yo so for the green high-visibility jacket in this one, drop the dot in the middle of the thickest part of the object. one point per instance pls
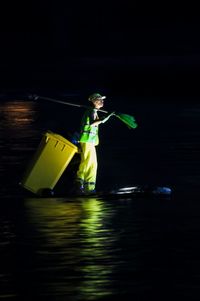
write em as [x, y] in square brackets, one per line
[89, 133]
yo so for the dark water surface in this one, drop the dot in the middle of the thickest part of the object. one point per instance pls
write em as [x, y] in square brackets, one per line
[98, 249]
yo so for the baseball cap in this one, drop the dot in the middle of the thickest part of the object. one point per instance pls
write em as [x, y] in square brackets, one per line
[95, 96]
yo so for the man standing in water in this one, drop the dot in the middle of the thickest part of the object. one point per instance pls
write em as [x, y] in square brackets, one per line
[86, 175]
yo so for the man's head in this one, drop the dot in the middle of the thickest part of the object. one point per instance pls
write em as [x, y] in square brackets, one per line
[97, 100]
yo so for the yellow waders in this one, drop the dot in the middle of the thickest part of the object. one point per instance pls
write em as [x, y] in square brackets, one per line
[88, 167]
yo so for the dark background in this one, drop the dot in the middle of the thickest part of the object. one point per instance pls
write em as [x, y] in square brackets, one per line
[129, 48]
[145, 58]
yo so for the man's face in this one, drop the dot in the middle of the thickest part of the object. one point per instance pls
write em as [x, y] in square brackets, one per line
[98, 103]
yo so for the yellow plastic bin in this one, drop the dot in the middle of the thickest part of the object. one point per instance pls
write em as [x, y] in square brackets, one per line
[49, 162]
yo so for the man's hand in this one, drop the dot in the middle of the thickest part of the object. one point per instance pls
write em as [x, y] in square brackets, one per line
[106, 119]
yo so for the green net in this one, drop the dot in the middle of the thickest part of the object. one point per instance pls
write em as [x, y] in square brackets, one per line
[128, 120]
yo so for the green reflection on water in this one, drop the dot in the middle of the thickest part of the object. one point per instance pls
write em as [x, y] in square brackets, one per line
[78, 237]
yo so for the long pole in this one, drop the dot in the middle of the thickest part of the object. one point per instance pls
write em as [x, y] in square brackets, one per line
[36, 97]
[127, 119]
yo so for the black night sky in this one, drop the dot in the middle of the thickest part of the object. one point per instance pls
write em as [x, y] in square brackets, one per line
[128, 48]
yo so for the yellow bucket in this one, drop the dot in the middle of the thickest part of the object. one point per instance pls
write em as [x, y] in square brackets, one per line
[49, 162]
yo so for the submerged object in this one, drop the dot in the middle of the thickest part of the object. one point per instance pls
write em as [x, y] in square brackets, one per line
[144, 191]
[141, 190]
[162, 190]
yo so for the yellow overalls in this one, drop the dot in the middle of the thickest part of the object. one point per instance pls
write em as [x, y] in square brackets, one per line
[87, 172]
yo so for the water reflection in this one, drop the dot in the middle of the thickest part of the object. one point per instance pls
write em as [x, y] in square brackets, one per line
[98, 239]
[17, 114]
[18, 137]
[73, 245]
[62, 249]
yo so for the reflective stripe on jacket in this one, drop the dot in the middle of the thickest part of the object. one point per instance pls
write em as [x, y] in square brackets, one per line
[89, 133]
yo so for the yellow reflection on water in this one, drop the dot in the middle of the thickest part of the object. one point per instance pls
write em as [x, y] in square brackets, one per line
[55, 220]
[79, 233]
[98, 239]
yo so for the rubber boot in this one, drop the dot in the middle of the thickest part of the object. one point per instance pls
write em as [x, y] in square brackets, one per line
[89, 188]
[78, 188]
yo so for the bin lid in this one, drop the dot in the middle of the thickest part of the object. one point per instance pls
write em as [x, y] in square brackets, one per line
[60, 138]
